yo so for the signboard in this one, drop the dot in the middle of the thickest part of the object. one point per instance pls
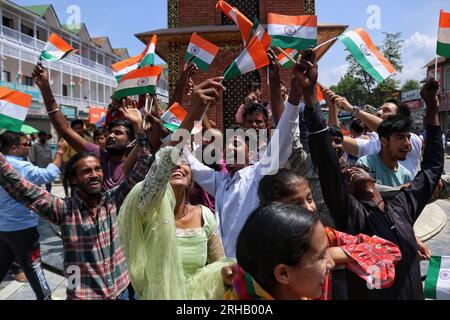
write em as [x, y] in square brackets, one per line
[34, 92]
[37, 109]
[83, 113]
[69, 112]
[411, 95]
[96, 114]
[413, 104]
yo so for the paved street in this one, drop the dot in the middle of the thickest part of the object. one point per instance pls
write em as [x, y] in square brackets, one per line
[52, 257]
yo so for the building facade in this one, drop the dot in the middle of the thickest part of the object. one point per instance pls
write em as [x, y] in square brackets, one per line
[79, 82]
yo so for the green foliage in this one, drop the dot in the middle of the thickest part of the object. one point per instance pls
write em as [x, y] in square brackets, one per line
[410, 85]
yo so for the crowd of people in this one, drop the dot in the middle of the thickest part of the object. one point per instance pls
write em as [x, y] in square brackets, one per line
[291, 207]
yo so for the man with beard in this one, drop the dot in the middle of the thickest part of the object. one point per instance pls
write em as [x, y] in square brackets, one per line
[119, 137]
[94, 262]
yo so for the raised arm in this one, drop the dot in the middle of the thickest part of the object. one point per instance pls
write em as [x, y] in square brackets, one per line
[276, 102]
[333, 119]
[29, 195]
[424, 184]
[189, 71]
[57, 118]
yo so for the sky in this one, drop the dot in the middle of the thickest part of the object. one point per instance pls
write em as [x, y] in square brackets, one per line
[417, 20]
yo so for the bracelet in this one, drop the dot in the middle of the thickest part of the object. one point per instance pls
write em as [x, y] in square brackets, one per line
[53, 111]
[320, 131]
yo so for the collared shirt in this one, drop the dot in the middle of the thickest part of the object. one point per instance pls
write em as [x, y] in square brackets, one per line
[372, 146]
[92, 248]
[13, 215]
[237, 196]
[395, 223]
[41, 154]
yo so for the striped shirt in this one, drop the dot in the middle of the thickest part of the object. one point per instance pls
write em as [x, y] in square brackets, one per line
[94, 263]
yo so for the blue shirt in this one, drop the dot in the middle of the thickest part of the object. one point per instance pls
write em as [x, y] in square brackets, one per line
[384, 175]
[13, 215]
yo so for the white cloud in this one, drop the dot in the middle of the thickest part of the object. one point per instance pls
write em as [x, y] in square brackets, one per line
[331, 76]
[418, 50]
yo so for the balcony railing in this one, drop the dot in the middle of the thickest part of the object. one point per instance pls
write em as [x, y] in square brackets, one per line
[39, 45]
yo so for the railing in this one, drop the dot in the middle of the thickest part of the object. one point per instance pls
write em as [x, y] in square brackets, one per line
[39, 45]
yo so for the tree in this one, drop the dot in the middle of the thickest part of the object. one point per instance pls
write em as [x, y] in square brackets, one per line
[392, 49]
[352, 88]
[410, 85]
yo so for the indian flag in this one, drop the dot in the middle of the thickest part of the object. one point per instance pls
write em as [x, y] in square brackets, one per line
[174, 117]
[14, 107]
[285, 61]
[296, 32]
[56, 49]
[148, 56]
[261, 33]
[125, 66]
[138, 82]
[443, 40]
[437, 284]
[366, 54]
[244, 24]
[253, 57]
[202, 50]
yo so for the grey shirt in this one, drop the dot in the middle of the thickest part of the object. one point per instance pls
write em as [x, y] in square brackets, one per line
[41, 154]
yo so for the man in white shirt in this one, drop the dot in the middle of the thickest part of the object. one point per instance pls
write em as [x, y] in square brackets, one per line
[236, 191]
[362, 147]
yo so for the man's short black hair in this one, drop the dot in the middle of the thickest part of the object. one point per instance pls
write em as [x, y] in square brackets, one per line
[357, 126]
[76, 122]
[124, 123]
[254, 86]
[9, 139]
[99, 132]
[42, 134]
[258, 108]
[394, 124]
[402, 108]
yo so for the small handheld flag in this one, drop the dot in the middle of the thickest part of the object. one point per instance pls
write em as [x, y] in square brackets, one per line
[148, 56]
[202, 50]
[244, 24]
[284, 61]
[366, 54]
[296, 32]
[252, 58]
[443, 40]
[174, 117]
[14, 107]
[437, 284]
[56, 49]
[138, 82]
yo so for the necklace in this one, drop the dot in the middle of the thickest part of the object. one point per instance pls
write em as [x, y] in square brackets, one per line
[186, 211]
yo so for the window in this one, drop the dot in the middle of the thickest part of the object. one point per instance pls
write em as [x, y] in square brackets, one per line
[6, 76]
[250, 8]
[8, 22]
[65, 90]
[28, 81]
[27, 30]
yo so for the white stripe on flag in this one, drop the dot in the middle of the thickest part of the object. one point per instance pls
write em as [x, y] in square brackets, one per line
[200, 53]
[126, 70]
[233, 16]
[53, 50]
[169, 117]
[133, 83]
[245, 62]
[12, 110]
[293, 31]
[373, 60]
[444, 35]
[443, 283]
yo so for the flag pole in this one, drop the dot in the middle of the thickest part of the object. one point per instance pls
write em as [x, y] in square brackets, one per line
[325, 43]
[144, 122]
[286, 54]
[435, 67]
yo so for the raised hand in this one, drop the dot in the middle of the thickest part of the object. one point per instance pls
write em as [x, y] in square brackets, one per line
[131, 113]
[206, 93]
[306, 71]
[40, 76]
[274, 67]
[189, 69]
[429, 94]
[62, 146]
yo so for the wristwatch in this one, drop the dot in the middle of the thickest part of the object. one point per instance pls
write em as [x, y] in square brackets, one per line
[355, 111]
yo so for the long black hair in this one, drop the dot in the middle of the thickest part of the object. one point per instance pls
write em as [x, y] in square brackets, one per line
[71, 169]
[274, 234]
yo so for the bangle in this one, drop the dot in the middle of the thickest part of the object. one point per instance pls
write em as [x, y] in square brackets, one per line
[53, 111]
[317, 132]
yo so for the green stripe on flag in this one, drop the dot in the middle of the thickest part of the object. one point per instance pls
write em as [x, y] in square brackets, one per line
[47, 56]
[170, 126]
[134, 92]
[361, 59]
[9, 123]
[443, 49]
[202, 65]
[149, 60]
[232, 72]
[432, 277]
[294, 43]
